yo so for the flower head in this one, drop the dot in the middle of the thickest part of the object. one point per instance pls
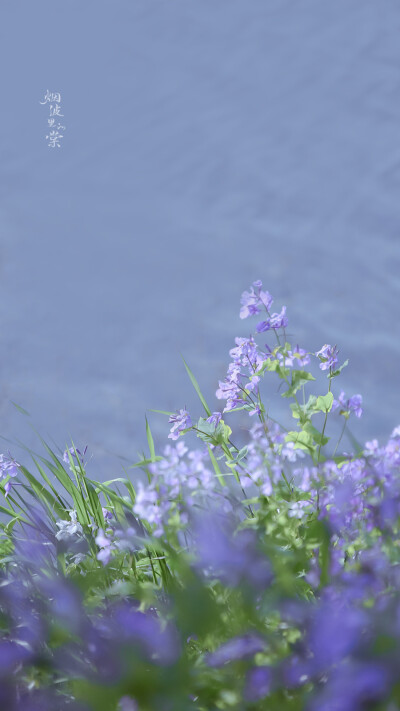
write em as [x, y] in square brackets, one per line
[273, 322]
[348, 405]
[8, 466]
[328, 356]
[254, 299]
[181, 421]
[215, 418]
[69, 529]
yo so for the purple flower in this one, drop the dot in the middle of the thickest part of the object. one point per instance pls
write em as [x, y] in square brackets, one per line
[336, 631]
[255, 298]
[298, 357]
[104, 543]
[348, 405]
[275, 321]
[230, 558]
[107, 515]
[328, 356]
[353, 687]
[238, 648]
[69, 529]
[258, 683]
[127, 703]
[181, 421]
[8, 466]
[159, 643]
[78, 456]
[215, 418]
[7, 488]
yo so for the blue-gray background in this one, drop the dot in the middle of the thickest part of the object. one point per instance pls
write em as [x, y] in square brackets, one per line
[208, 143]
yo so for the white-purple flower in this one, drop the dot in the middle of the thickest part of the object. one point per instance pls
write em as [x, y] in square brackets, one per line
[69, 529]
[328, 356]
[8, 466]
[181, 421]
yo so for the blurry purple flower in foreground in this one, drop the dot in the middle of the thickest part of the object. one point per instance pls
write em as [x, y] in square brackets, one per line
[104, 544]
[233, 558]
[238, 648]
[258, 683]
[328, 356]
[126, 703]
[159, 643]
[181, 421]
[353, 687]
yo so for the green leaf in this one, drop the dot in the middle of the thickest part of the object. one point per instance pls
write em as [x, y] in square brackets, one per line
[316, 434]
[216, 467]
[212, 434]
[302, 440]
[299, 377]
[324, 402]
[150, 441]
[20, 409]
[197, 388]
[337, 372]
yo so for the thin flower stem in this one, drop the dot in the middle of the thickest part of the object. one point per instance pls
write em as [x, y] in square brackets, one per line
[325, 421]
[341, 435]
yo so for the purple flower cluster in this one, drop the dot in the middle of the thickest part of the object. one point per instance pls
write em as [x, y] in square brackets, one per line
[268, 456]
[241, 382]
[178, 482]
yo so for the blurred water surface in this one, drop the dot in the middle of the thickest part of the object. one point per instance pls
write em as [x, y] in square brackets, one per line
[207, 144]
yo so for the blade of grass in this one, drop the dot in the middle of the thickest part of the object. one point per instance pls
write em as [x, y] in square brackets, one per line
[197, 388]
[150, 441]
[216, 467]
